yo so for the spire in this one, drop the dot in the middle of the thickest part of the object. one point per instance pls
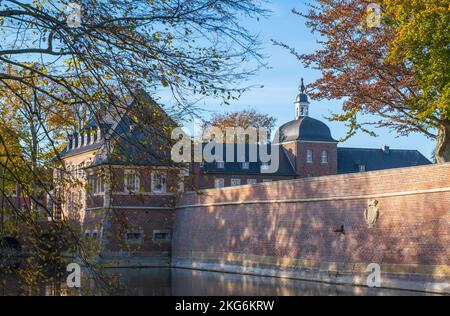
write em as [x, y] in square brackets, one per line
[302, 103]
[302, 87]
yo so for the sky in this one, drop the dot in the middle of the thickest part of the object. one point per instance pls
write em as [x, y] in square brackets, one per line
[281, 82]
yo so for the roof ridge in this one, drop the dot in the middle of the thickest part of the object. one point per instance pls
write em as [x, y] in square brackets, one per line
[365, 148]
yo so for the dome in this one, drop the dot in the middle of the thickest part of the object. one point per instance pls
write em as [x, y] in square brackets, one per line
[304, 128]
[302, 98]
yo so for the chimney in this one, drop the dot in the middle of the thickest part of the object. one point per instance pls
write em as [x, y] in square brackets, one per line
[385, 149]
[86, 137]
[75, 142]
[80, 139]
[70, 141]
[99, 134]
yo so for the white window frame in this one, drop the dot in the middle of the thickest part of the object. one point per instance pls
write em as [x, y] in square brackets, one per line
[134, 241]
[154, 179]
[267, 180]
[136, 185]
[362, 168]
[157, 231]
[235, 182]
[220, 164]
[219, 183]
[265, 166]
[245, 165]
[252, 181]
[96, 185]
[309, 156]
[324, 157]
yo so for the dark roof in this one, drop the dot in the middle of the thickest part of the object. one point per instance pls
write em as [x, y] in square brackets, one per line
[285, 168]
[306, 129]
[141, 136]
[302, 97]
[349, 159]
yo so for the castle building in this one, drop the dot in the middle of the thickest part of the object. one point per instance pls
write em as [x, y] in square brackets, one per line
[117, 183]
[306, 149]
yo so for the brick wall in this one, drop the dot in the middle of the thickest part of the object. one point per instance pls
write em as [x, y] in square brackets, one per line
[258, 223]
[297, 152]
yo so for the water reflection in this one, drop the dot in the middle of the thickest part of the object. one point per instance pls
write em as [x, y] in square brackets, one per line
[182, 282]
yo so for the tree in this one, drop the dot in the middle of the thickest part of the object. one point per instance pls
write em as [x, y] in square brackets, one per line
[244, 119]
[55, 75]
[399, 70]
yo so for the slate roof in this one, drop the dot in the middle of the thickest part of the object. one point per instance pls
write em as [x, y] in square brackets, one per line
[235, 168]
[377, 159]
[139, 136]
[306, 129]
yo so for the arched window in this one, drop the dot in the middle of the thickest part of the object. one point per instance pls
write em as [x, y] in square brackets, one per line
[324, 158]
[309, 156]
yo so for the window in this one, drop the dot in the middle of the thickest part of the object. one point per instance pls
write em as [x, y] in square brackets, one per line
[87, 234]
[96, 185]
[219, 183]
[220, 164]
[235, 182]
[132, 181]
[95, 234]
[252, 181]
[134, 236]
[309, 156]
[324, 157]
[158, 182]
[267, 180]
[265, 166]
[161, 235]
[245, 165]
[362, 168]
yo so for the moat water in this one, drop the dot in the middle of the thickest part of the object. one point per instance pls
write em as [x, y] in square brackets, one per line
[182, 282]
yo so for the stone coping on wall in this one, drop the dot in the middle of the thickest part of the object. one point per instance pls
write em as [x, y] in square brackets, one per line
[347, 176]
[318, 199]
[369, 185]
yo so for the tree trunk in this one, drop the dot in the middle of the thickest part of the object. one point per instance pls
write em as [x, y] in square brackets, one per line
[443, 143]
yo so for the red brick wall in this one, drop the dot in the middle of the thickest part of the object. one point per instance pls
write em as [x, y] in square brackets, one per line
[413, 227]
[316, 168]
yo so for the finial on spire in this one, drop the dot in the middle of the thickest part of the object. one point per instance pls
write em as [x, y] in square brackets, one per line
[301, 102]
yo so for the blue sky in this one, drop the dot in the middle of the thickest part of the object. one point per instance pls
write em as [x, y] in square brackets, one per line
[281, 81]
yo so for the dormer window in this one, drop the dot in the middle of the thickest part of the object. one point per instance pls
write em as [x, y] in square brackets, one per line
[361, 168]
